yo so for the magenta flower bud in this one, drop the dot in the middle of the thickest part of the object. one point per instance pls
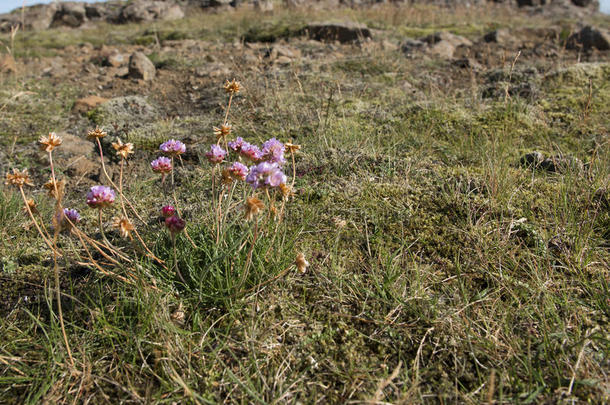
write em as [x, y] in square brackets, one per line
[161, 165]
[273, 151]
[175, 224]
[216, 154]
[68, 214]
[167, 211]
[238, 170]
[173, 147]
[100, 197]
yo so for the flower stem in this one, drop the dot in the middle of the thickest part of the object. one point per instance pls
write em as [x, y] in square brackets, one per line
[176, 258]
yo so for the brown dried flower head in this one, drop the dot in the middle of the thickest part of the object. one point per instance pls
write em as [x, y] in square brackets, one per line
[301, 263]
[124, 226]
[291, 147]
[253, 207]
[50, 187]
[122, 149]
[31, 204]
[286, 191]
[97, 133]
[49, 142]
[18, 178]
[223, 131]
[232, 86]
[226, 177]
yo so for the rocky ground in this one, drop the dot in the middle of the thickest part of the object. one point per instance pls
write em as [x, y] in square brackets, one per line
[452, 197]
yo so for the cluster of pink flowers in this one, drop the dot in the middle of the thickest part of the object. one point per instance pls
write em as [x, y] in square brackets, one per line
[173, 147]
[266, 174]
[100, 197]
[161, 165]
[216, 154]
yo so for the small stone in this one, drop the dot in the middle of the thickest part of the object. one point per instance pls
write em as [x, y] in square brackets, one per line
[87, 103]
[116, 59]
[342, 32]
[562, 164]
[140, 67]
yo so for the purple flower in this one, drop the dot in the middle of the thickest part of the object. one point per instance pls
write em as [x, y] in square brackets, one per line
[173, 147]
[237, 144]
[216, 154]
[251, 152]
[167, 211]
[161, 165]
[273, 151]
[238, 170]
[100, 197]
[265, 174]
[68, 214]
[174, 224]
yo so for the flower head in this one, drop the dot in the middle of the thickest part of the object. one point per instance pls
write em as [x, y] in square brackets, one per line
[18, 178]
[238, 171]
[122, 149]
[265, 174]
[175, 224]
[223, 131]
[30, 206]
[173, 147]
[236, 144]
[168, 211]
[161, 165]
[67, 218]
[251, 152]
[124, 226]
[55, 187]
[216, 154]
[273, 151]
[100, 197]
[286, 191]
[232, 86]
[96, 133]
[291, 147]
[253, 206]
[301, 263]
[49, 142]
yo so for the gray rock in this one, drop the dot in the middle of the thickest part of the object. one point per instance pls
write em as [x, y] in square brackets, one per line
[590, 37]
[150, 10]
[70, 14]
[342, 32]
[444, 44]
[410, 46]
[140, 67]
[116, 59]
[562, 164]
[129, 111]
[500, 36]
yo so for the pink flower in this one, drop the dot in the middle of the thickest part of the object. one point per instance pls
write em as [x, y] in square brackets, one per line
[266, 174]
[237, 144]
[216, 154]
[161, 165]
[100, 197]
[174, 224]
[273, 151]
[251, 152]
[173, 147]
[167, 211]
[238, 171]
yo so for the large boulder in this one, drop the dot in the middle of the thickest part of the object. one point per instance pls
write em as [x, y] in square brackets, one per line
[343, 32]
[38, 17]
[444, 44]
[70, 14]
[150, 11]
[140, 67]
[590, 37]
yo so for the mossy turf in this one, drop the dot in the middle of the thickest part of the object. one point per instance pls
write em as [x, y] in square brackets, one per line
[442, 270]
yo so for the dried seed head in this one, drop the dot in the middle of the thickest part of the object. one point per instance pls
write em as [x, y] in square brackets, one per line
[122, 149]
[31, 204]
[18, 178]
[291, 147]
[286, 191]
[226, 177]
[232, 86]
[223, 131]
[124, 226]
[301, 263]
[253, 207]
[49, 142]
[97, 133]
[52, 190]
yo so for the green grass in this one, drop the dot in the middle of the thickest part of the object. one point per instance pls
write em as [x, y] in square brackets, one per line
[442, 271]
